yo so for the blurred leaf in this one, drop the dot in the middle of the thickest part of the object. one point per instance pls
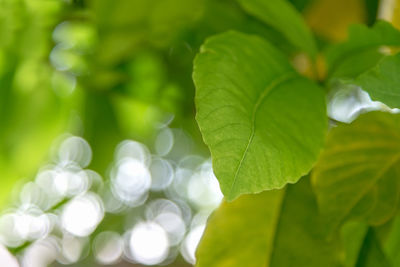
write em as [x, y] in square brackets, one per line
[371, 254]
[274, 228]
[331, 18]
[383, 81]
[223, 15]
[147, 76]
[284, 17]
[357, 175]
[263, 123]
[396, 14]
[391, 243]
[352, 235]
[126, 25]
[371, 7]
[360, 51]
[389, 10]
[136, 118]
[301, 4]
[101, 129]
[356, 64]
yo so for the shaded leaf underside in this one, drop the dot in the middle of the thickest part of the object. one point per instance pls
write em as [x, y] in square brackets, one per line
[357, 175]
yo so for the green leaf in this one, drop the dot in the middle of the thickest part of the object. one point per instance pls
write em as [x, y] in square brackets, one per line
[241, 233]
[357, 175]
[391, 244]
[283, 16]
[360, 51]
[352, 236]
[263, 122]
[383, 81]
[371, 254]
[273, 229]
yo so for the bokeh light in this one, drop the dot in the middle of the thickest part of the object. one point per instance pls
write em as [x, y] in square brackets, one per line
[7, 259]
[75, 149]
[91, 196]
[108, 247]
[82, 214]
[148, 243]
[156, 193]
[162, 173]
[131, 181]
[190, 243]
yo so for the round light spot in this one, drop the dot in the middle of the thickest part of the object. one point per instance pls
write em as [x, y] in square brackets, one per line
[148, 243]
[82, 214]
[191, 242]
[75, 149]
[203, 188]
[40, 253]
[162, 174]
[132, 150]
[6, 258]
[159, 206]
[32, 193]
[108, 247]
[9, 236]
[173, 224]
[169, 216]
[164, 142]
[131, 181]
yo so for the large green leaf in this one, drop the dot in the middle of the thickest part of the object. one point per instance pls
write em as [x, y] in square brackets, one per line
[357, 176]
[283, 16]
[361, 51]
[263, 123]
[273, 229]
[383, 81]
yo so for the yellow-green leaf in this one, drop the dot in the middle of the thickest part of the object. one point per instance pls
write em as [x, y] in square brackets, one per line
[273, 229]
[358, 174]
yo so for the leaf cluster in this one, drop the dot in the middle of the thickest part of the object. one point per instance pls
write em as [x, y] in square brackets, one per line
[300, 188]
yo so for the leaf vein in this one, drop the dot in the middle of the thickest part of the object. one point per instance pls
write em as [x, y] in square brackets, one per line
[283, 78]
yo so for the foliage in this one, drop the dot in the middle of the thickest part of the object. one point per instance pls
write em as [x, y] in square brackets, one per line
[247, 111]
[301, 187]
[381, 81]
[265, 127]
[266, 224]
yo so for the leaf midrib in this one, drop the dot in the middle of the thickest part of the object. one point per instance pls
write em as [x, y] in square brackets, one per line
[275, 83]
